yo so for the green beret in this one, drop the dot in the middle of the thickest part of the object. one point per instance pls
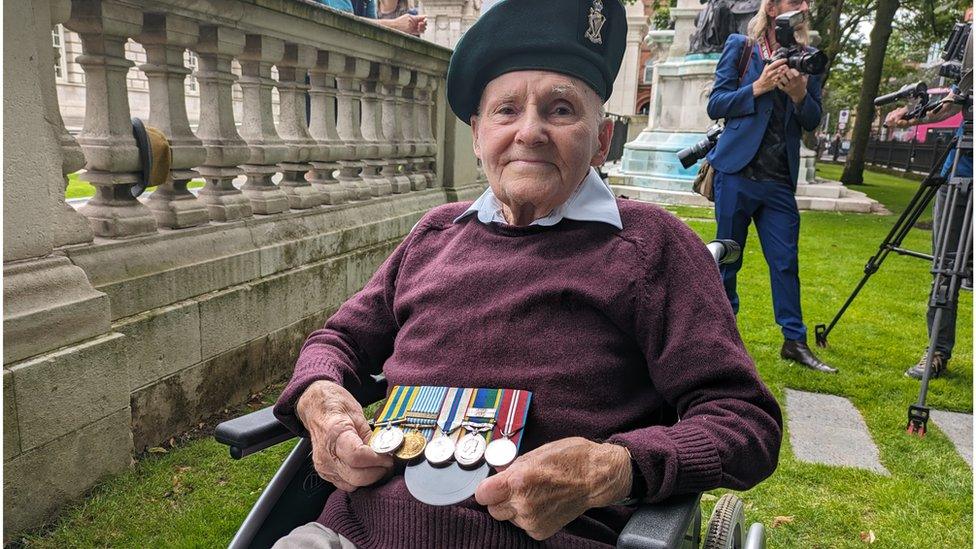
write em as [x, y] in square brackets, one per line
[580, 38]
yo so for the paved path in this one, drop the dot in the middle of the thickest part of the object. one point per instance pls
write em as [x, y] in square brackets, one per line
[959, 428]
[828, 429]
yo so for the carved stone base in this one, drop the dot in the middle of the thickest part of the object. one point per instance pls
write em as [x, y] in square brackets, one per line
[351, 180]
[328, 186]
[177, 211]
[224, 205]
[49, 303]
[381, 186]
[265, 197]
[301, 195]
[118, 218]
[399, 181]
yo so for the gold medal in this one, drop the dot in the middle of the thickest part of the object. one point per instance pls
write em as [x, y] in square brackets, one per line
[413, 445]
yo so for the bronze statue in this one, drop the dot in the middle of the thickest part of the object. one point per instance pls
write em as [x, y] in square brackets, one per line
[717, 20]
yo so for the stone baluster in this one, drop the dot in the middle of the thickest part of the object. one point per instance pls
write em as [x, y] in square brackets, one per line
[348, 117]
[69, 226]
[292, 71]
[112, 158]
[378, 149]
[225, 148]
[322, 127]
[408, 128]
[267, 148]
[426, 145]
[165, 37]
[391, 85]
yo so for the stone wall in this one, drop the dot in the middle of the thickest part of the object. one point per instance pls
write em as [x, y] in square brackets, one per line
[128, 321]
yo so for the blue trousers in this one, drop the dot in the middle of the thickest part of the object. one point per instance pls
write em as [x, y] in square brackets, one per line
[740, 201]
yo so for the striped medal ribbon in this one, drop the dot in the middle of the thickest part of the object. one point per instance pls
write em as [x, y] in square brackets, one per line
[507, 437]
[440, 450]
[479, 420]
[421, 418]
[387, 437]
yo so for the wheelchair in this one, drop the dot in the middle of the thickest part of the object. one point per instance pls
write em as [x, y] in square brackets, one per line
[296, 493]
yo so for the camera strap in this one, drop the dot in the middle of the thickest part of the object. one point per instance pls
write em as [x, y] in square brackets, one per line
[744, 59]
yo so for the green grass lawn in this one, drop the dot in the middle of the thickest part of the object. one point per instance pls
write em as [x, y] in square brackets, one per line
[195, 495]
[78, 188]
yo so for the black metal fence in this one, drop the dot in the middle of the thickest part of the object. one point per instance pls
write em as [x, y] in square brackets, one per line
[907, 155]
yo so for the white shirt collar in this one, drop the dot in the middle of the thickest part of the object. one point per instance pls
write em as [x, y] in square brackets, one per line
[592, 201]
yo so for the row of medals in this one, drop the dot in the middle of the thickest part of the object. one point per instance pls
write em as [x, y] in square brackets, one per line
[468, 452]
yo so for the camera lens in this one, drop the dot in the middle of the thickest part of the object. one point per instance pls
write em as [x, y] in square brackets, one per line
[808, 63]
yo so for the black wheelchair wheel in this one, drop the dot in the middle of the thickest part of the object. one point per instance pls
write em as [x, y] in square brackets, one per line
[727, 526]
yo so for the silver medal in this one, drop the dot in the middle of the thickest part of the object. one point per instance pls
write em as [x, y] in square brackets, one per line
[440, 450]
[387, 440]
[500, 452]
[470, 449]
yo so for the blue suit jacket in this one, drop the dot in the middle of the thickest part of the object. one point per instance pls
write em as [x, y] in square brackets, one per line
[746, 117]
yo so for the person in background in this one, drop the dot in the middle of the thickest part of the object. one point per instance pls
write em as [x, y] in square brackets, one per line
[945, 339]
[757, 160]
[406, 22]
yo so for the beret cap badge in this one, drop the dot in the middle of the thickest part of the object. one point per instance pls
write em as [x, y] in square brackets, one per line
[597, 19]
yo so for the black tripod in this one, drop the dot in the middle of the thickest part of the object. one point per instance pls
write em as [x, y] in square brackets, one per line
[949, 266]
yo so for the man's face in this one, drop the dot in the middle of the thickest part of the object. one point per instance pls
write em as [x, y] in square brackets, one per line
[779, 7]
[537, 133]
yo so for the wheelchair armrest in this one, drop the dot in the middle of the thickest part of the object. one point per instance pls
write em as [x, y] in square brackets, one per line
[252, 433]
[664, 525]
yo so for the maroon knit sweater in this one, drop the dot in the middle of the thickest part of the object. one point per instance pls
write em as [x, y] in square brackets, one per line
[607, 328]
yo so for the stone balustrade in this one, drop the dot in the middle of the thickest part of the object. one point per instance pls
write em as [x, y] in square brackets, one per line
[132, 318]
[378, 137]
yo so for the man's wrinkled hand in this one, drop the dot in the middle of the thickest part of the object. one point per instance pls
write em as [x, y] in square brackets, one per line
[547, 488]
[339, 433]
[794, 84]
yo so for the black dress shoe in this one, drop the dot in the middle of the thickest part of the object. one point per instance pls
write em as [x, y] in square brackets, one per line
[798, 351]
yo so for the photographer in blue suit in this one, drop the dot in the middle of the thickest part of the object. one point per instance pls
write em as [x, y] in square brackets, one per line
[757, 160]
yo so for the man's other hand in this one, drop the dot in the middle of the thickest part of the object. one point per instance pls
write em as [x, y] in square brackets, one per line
[547, 488]
[896, 118]
[769, 78]
[339, 433]
[794, 83]
[410, 24]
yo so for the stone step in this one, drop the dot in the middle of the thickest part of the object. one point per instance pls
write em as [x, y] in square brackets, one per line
[828, 429]
[661, 196]
[959, 428]
[820, 191]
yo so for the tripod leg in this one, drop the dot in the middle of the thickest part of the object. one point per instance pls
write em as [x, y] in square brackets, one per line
[948, 272]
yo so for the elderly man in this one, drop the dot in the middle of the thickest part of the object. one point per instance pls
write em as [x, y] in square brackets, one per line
[610, 311]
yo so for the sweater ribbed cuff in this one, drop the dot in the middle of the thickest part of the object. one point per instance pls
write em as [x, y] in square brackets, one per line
[674, 460]
[307, 372]
[699, 465]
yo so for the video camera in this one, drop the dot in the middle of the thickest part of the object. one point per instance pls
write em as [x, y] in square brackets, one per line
[796, 56]
[954, 51]
[688, 156]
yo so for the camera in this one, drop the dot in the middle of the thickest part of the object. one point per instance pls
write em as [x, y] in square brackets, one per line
[807, 62]
[688, 156]
[953, 53]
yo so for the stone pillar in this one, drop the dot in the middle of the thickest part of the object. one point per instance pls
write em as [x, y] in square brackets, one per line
[378, 149]
[427, 146]
[623, 100]
[113, 165]
[393, 106]
[47, 301]
[68, 226]
[408, 128]
[266, 147]
[225, 148]
[322, 128]
[684, 25]
[349, 106]
[292, 71]
[165, 38]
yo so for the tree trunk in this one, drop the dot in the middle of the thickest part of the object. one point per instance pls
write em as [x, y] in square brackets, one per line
[873, 65]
